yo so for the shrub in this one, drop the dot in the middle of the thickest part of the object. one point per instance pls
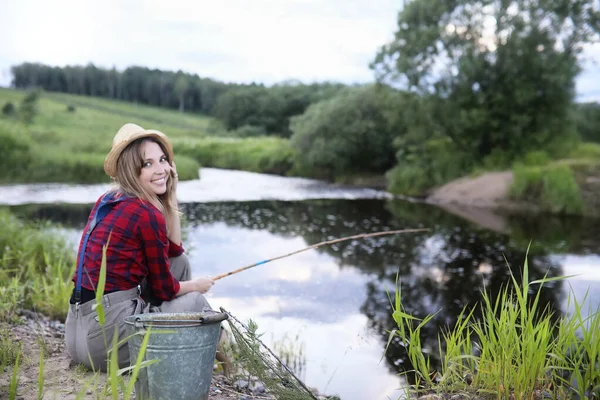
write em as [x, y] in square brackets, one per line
[554, 188]
[422, 166]
[249, 130]
[29, 107]
[586, 151]
[349, 133]
[9, 109]
[536, 158]
[259, 154]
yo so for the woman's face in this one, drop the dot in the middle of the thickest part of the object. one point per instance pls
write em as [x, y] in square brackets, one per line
[155, 170]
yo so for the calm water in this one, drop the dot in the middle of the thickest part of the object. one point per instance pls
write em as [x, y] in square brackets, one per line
[334, 299]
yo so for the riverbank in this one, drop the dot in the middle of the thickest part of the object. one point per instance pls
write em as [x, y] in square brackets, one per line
[567, 187]
[37, 334]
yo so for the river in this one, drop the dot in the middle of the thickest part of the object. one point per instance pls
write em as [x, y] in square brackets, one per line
[333, 301]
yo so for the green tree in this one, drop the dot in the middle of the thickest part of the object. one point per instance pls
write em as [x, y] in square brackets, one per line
[587, 117]
[181, 88]
[502, 71]
[28, 108]
[240, 106]
[8, 109]
[349, 133]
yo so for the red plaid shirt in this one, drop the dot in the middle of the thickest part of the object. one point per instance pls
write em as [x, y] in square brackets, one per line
[139, 248]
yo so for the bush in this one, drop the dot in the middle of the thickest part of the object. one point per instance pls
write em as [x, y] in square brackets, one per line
[29, 108]
[348, 133]
[249, 130]
[187, 167]
[498, 159]
[535, 158]
[422, 166]
[586, 151]
[261, 154]
[9, 109]
[554, 188]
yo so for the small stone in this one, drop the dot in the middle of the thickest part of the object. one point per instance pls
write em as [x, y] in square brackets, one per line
[217, 391]
[258, 387]
[241, 383]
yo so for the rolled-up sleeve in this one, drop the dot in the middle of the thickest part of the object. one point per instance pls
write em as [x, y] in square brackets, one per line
[175, 250]
[156, 246]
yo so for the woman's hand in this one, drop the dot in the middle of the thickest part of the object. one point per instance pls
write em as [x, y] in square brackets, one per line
[174, 170]
[173, 175]
[201, 285]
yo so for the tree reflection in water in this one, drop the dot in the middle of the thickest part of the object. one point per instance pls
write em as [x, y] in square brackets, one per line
[441, 271]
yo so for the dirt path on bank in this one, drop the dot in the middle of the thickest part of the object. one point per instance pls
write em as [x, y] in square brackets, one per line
[477, 199]
[486, 190]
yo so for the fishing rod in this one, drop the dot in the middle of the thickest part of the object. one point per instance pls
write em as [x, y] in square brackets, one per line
[314, 246]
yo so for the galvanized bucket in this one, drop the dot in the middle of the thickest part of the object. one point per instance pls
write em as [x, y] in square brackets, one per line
[185, 344]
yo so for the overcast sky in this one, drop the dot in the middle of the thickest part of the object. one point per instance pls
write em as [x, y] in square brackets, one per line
[265, 41]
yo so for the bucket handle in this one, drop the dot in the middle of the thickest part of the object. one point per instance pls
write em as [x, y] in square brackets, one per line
[214, 318]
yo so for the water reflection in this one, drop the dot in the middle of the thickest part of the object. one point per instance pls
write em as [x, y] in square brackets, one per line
[336, 286]
[440, 271]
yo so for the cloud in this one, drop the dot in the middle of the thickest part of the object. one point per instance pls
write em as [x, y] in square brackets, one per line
[236, 40]
[264, 41]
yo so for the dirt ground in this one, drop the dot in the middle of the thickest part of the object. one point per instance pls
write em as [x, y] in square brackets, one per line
[486, 190]
[62, 380]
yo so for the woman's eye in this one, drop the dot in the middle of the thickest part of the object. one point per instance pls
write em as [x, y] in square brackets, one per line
[163, 159]
[147, 164]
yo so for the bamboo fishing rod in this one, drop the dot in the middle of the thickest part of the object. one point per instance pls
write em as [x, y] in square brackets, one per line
[314, 246]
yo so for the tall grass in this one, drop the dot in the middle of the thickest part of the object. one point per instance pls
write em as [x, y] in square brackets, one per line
[553, 187]
[119, 383]
[522, 351]
[35, 268]
[258, 154]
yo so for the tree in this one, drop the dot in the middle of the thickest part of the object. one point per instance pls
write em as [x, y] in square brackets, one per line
[349, 133]
[8, 109]
[181, 87]
[502, 71]
[28, 108]
[587, 117]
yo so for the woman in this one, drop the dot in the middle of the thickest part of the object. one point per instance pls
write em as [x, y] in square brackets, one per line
[146, 267]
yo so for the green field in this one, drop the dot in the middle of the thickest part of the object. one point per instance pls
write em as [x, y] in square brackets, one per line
[70, 146]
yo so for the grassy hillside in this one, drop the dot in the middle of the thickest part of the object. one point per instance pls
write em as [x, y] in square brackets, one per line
[70, 146]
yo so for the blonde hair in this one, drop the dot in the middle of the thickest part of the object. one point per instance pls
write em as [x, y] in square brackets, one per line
[129, 167]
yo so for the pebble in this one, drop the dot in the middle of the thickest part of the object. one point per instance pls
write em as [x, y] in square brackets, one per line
[241, 384]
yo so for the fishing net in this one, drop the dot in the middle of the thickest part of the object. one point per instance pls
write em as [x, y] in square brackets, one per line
[261, 363]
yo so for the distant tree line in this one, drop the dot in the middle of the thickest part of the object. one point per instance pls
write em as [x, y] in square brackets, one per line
[252, 109]
[135, 84]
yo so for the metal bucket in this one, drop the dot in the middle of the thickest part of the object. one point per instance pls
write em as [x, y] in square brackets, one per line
[185, 344]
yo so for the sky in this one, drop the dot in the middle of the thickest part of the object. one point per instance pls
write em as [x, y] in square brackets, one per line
[263, 41]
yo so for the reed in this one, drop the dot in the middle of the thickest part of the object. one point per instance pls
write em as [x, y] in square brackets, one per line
[522, 350]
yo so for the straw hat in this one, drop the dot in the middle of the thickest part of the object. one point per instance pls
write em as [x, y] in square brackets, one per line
[127, 135]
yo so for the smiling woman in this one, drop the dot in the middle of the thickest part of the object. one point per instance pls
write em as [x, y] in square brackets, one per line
[141, 213]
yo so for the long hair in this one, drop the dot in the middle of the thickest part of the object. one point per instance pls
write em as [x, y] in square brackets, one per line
[129, 167]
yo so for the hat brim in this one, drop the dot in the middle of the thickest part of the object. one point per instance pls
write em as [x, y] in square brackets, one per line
[110, 162]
